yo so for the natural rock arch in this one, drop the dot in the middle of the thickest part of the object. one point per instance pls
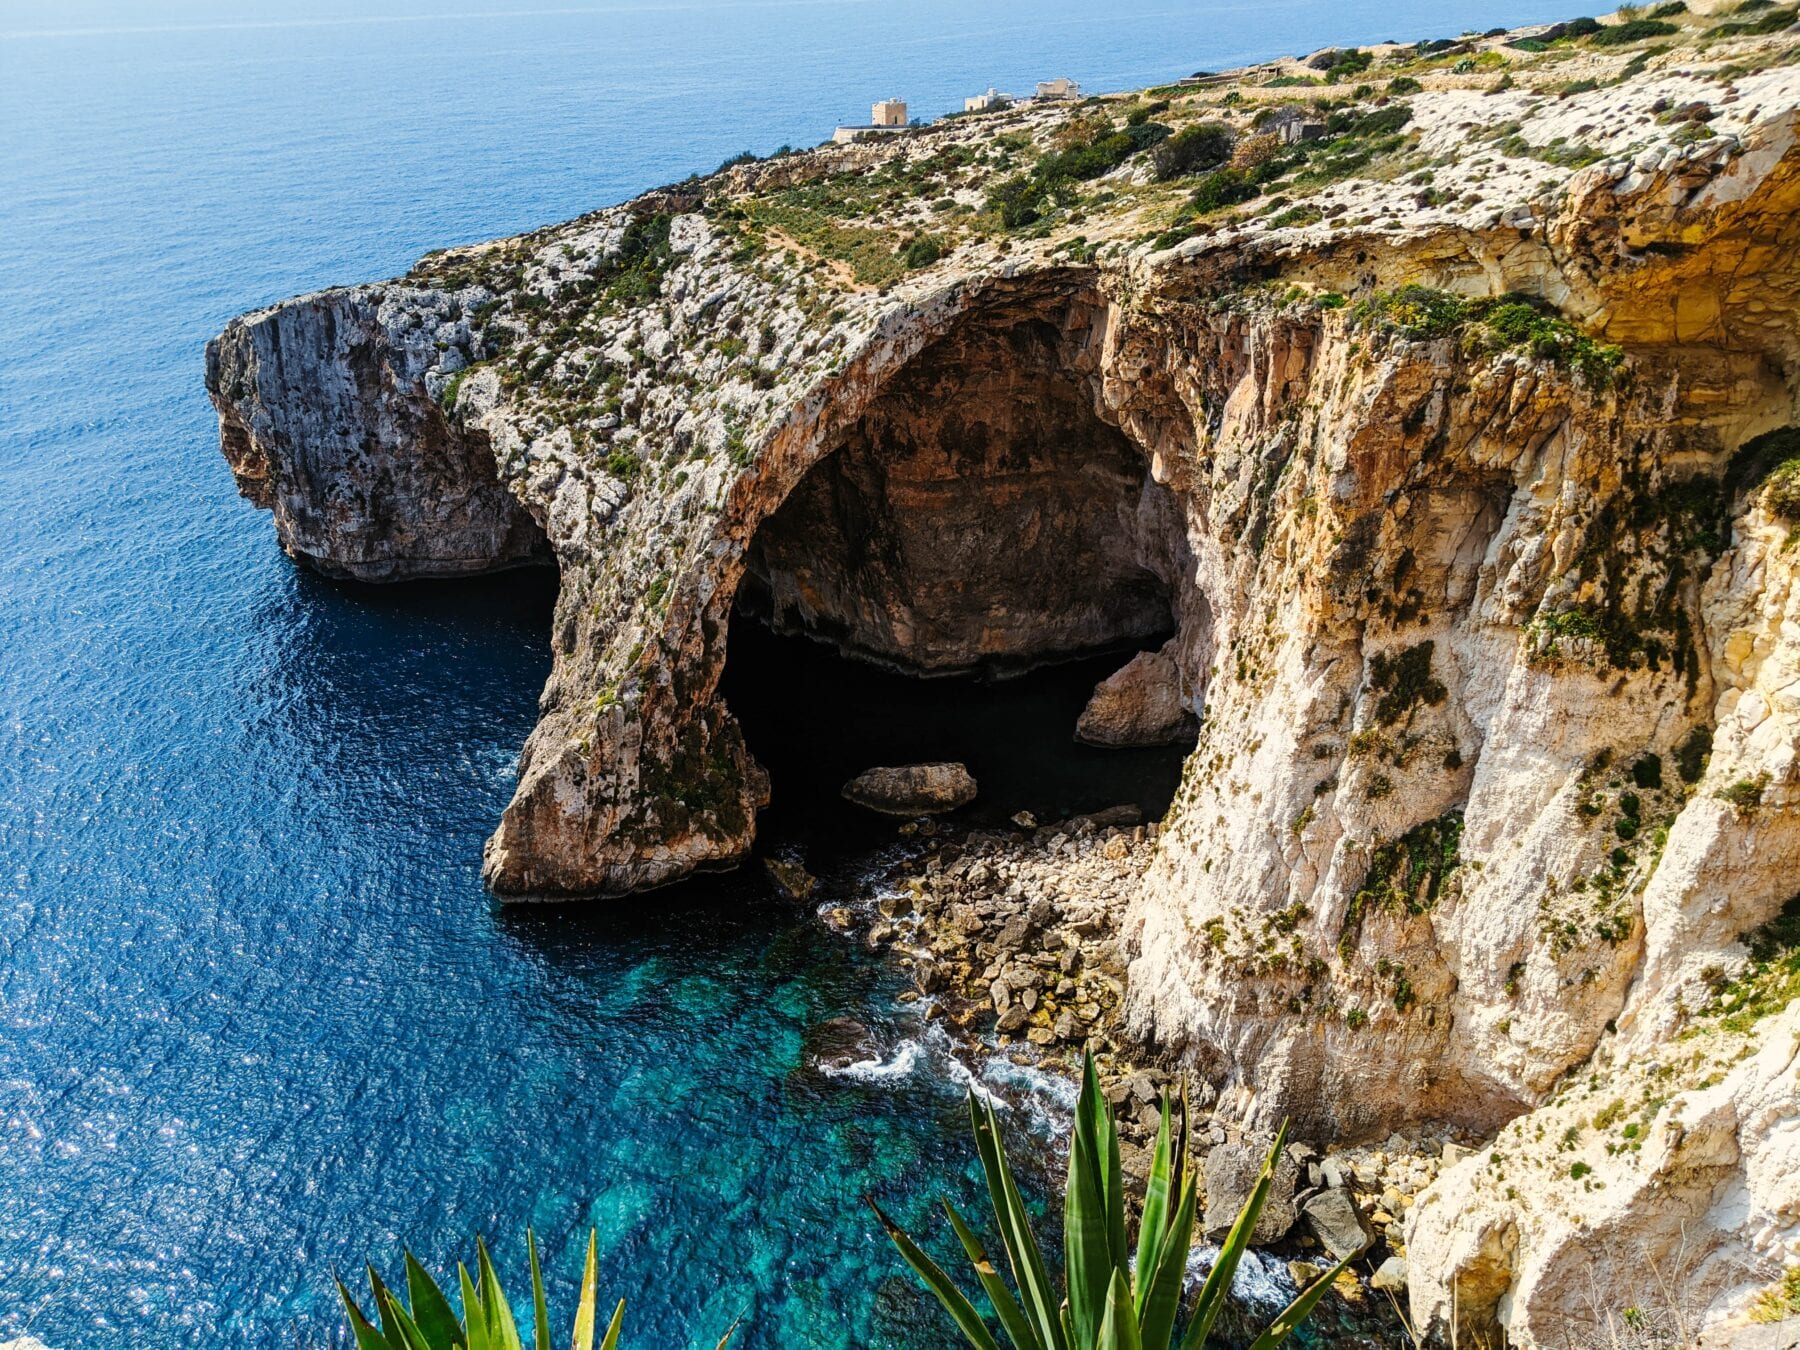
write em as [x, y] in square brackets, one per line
[985, 408]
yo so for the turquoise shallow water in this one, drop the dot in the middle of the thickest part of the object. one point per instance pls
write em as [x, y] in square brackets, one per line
[257, 1018]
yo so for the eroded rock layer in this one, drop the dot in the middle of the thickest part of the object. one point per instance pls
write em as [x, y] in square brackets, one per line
[1459, 462]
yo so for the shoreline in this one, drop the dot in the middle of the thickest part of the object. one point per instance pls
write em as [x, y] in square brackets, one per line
[1014, 946]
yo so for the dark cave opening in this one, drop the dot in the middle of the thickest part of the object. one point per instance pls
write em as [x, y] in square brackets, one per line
[979, 516]
[953, 580]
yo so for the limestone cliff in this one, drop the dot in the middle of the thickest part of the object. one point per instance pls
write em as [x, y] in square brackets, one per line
[1441, 422]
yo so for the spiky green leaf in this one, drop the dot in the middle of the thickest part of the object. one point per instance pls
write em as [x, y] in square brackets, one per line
[430, 1309]
[1162, 1298]
[406, 1334]
[390, 1326]
[1022, 1253]
[1155, 1219]
[955, 1302]
[1012, 1317]
[474, 1316]
[540, 1310]
[610, 1341]
[1088, 1266]
[1119, 1328]
[1300, 1309]
[1112, 1179]
[588, 1308]
[1237, 1241]
[503, 1332]
[367, 1338]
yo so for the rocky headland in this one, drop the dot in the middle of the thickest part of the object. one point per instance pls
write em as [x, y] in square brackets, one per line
[1439, 400]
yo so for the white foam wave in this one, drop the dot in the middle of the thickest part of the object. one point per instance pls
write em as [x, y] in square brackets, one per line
[1261, 1280]
[900, 1064]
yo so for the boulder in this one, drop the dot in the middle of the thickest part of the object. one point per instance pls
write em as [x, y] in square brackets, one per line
[1390, 1275]
[790, 878]
[912, 789]
[1232, 1170]
[1139, 704]
[840, 1042]
[1331, 1217]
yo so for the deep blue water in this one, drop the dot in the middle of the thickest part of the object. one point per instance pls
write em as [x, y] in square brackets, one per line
[257, 1018]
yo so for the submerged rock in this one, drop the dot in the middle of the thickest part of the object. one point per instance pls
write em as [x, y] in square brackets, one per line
[840, 1042]
[790, 878]
[912, 789]
[1139, 704]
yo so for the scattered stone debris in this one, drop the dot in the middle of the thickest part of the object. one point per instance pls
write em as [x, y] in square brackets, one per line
[1012, 939]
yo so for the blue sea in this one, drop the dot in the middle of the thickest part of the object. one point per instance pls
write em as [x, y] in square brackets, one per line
[258, 1020]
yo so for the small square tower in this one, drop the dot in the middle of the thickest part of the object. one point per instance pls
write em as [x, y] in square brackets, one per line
[890, 112]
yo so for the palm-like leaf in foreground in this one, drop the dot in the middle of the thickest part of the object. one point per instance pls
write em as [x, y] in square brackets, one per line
[426, 1320]
[1116, 1299]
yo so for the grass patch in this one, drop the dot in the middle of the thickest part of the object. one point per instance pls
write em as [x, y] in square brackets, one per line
[1406, 874]
[1768, 981]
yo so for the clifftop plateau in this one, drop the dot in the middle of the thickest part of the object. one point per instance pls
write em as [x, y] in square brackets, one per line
[1438, 399]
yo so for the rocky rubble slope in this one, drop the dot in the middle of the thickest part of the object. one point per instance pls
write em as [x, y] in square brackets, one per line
[1439, 399]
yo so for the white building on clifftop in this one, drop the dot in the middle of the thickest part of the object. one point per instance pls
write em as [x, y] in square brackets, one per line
[885, 116]
[987, 102]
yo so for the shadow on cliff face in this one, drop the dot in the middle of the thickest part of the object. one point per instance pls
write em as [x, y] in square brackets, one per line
[979, 515]
[977, 553]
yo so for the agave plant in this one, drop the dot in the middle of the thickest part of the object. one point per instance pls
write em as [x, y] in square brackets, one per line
[1113, 1301]
[427, 1322]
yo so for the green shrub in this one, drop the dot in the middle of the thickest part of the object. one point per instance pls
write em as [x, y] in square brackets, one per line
[1521, 323]
[1403, 84]
[1416, 312]
[1633, 30]
[1580, 28]
[1772, 22]
[1781, 491]
[1780, 1300]
[1406, 874]
[1114, 1300]
[1668, 10]
[1348, 63]
[1100, 155]
[1746, 794]
[921, 251]
[1223, 187]
[1190, 150]
[1304, 214]
[1023, 200]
